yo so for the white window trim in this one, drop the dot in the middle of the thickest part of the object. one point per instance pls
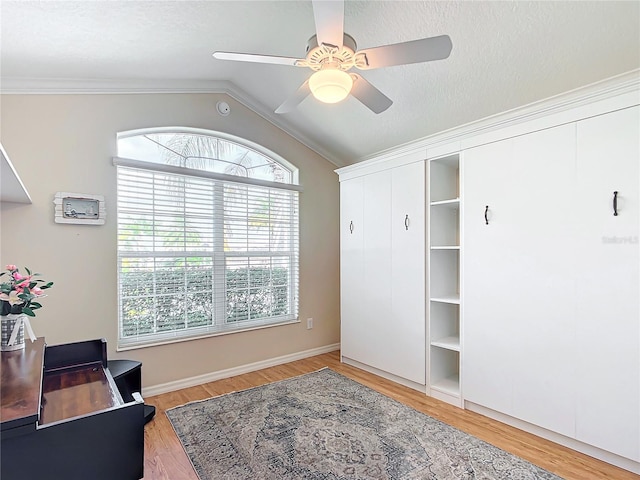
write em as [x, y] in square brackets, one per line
[225, 136]
[156, 339]
[192, 172]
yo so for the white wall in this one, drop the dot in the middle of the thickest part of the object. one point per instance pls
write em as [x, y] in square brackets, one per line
[65, 143]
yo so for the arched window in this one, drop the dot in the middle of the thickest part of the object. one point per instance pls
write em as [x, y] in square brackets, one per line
[207, 236]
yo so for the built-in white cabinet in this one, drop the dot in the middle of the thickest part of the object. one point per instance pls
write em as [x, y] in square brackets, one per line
[444, 279]
[519, 297]
[607, 306]
[552, 322]
[383, 271]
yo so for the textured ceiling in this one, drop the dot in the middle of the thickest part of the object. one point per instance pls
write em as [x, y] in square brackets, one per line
[505, 54]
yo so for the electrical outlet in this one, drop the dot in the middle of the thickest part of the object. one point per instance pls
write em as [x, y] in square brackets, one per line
[309, 323]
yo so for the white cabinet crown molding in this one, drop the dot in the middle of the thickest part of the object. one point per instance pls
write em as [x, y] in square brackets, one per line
[393, 160]
[590, 100]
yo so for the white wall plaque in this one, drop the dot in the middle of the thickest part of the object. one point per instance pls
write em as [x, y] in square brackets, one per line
[79, 208]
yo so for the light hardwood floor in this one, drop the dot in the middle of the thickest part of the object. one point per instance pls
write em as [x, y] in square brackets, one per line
[165, 459]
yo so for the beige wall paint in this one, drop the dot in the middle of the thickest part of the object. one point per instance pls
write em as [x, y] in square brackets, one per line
[65, 143]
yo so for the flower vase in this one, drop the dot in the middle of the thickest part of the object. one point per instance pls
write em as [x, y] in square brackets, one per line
[8, 325]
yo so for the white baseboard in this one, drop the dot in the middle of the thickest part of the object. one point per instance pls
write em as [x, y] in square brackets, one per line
[574, 444]
[230, 372]
[381, 373]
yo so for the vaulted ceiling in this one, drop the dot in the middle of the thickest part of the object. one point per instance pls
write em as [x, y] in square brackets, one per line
[505, 54]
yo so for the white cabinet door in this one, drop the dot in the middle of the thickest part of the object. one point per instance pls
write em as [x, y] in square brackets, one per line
[406, 336]
[490, 310]
[542, 278]
[518, 278]
[376, 299]
[353, 324]
[607, 307]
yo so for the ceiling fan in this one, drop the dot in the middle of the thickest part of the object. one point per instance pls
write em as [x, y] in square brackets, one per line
[331, 53]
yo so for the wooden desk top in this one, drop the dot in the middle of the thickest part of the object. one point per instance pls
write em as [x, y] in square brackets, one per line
[21, 381]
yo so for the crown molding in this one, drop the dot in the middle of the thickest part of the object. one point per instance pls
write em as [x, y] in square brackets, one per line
[62, 86]
[88, 86]
[628, 82]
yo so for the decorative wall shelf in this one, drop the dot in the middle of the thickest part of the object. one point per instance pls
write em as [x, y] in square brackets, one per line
[11, 187]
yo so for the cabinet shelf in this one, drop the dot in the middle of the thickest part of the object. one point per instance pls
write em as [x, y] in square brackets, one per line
[449, 385]
[449, 343]
[445, 247]
[450, 298]
[452, 203]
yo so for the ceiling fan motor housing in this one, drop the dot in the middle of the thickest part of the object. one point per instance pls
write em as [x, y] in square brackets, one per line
[330, 56]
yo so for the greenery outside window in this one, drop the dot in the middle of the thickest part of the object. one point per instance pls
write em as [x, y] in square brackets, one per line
[207, 236]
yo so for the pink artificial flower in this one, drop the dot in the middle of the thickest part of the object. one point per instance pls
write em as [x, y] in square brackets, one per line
[11, 267]
[18, 276]
[36, 291]
[25, 283]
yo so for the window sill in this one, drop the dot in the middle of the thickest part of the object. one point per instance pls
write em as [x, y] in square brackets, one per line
[124, 348]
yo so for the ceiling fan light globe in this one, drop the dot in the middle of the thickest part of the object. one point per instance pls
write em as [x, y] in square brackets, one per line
[330, 85]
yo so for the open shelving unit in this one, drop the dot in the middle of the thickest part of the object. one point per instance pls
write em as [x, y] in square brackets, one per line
[444, 279]
[11, 187]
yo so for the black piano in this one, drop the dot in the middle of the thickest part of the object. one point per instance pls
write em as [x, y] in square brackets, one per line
[63, 417]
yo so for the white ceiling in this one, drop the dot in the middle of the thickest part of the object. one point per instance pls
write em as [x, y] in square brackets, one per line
[505, 54]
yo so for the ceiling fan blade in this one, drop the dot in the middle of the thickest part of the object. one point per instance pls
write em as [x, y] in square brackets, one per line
[415, 51]
[294, 100]
[370, 96]
[329, 18]
[256, 58]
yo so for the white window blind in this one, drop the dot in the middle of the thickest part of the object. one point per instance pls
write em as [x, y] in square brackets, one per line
[199, 256]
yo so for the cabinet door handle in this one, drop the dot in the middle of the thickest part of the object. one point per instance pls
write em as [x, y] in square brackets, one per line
[351, 226]
[406, 222]
[615, 203]
[486, 214]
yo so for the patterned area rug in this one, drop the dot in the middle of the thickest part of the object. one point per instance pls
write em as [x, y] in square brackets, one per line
[324, 426]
